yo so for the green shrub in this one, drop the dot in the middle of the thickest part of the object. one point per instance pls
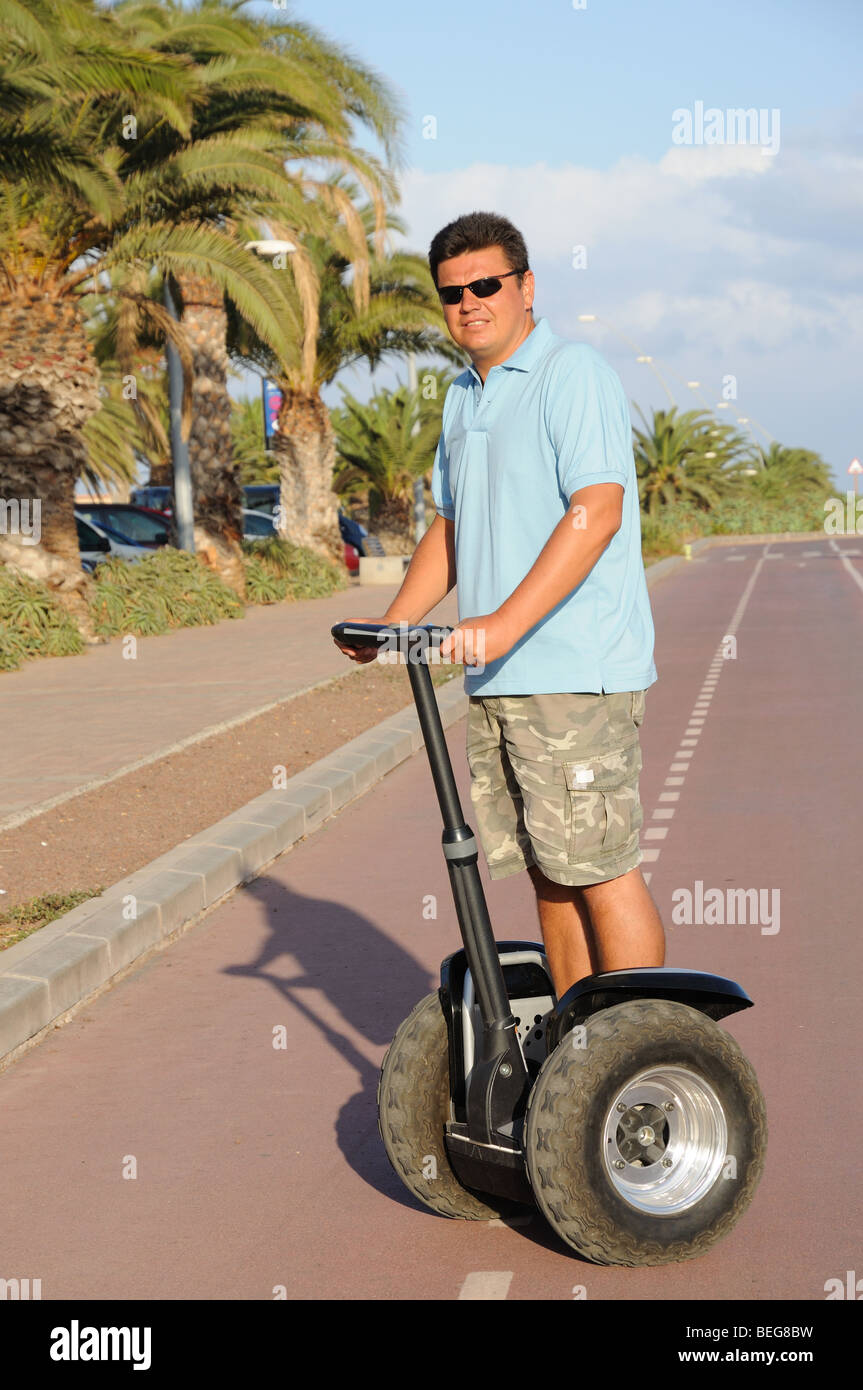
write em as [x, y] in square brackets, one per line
[32, 622]
[167, 590]
[277, 570]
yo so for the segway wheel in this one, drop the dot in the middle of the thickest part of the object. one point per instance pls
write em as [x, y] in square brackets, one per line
[414, 1106]
[646, 1134]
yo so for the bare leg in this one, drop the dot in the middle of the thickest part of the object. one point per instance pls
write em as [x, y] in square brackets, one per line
[566, 931]
[627, 929]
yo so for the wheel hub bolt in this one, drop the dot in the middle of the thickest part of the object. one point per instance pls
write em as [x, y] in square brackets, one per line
[619, 1163]
[621, 1107]
[666, 1163]
[669, 1105]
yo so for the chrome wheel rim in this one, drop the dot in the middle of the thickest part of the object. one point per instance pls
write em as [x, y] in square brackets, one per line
[664, 1140]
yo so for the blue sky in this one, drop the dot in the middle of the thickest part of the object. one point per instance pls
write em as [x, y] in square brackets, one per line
[720, 261]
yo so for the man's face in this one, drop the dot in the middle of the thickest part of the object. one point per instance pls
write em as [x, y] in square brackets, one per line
[488, 329]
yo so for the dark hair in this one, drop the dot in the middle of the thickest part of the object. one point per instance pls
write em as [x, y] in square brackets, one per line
[477, 231]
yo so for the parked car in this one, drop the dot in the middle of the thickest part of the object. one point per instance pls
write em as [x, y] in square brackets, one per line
[137, 525]
[98, 543]
[262, 497]
[355, 535]
[158, 499]
[257, 526]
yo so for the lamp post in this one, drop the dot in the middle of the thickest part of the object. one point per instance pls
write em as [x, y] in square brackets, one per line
[184, 512]
[270, 249]
[640, 356]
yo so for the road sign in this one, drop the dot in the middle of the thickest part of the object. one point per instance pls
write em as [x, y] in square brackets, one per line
[272, 405]
[855, 466]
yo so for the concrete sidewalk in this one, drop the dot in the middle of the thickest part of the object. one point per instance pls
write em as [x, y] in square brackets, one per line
[80, 720]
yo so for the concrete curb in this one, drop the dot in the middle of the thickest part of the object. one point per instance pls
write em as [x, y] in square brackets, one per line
[47, 977]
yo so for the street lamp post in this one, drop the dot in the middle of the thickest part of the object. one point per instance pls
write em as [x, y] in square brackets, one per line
[640, 356]
[184, 512]
[270, 249]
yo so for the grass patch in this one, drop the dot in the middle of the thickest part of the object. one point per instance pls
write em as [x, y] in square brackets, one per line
[23, 920]
[674, 525]
[167, 590]
[32, 622]
[277, 570]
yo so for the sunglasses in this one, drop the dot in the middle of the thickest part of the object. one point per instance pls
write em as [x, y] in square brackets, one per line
[483, 289]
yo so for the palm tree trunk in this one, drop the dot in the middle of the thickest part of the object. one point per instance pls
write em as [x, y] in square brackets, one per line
[305, 447]
[49, 388]
[392, 523]
[218, 498]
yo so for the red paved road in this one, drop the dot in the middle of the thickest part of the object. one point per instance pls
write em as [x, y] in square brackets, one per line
[260, 1167]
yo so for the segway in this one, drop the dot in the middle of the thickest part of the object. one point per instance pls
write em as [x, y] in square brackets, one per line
[623, 1111]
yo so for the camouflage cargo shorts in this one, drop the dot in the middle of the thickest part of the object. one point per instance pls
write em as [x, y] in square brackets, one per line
[554, 782]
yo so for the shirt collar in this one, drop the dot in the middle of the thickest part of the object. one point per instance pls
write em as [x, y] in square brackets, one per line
[528, 353]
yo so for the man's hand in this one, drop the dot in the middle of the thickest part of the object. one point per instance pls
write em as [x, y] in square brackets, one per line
[478, 641]
[362, 655]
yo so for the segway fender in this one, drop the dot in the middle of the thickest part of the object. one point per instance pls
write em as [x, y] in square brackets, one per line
[713, 995]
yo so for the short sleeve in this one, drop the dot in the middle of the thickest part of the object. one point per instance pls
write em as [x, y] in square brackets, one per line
[589, 425]
[441, 494]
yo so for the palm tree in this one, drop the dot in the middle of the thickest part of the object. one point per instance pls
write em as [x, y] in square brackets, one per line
[401, 313]
[782, 474]
[62, 69]
[276, 92]
[94, 217]
[384, 445]
[683, 458]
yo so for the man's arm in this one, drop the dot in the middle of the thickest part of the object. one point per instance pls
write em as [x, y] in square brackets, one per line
[568, 556]
[430, 575]
[570, 553]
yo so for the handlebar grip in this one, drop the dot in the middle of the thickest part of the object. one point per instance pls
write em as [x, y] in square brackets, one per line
[380, 634]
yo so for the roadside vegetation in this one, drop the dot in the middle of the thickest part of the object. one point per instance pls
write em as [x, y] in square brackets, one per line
[28, 917]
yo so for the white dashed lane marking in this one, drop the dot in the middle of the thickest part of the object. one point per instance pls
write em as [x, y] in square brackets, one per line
[486, 1284]
[698, 717]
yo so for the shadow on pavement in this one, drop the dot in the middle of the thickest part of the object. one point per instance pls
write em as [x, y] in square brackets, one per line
[370, 980]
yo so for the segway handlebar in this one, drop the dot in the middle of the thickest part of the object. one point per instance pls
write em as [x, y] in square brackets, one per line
[400, 637]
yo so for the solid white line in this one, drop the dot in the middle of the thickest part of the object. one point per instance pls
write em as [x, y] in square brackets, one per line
[486, 1284]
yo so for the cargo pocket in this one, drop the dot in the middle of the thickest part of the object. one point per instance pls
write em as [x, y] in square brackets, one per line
[602, 805]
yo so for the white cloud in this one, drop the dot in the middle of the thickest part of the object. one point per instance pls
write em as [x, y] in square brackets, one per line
[714, 259]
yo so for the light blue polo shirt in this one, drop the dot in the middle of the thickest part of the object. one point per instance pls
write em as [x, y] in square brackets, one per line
[551, 419]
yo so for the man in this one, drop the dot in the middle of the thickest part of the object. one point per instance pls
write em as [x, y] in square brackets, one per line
[537, 515]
